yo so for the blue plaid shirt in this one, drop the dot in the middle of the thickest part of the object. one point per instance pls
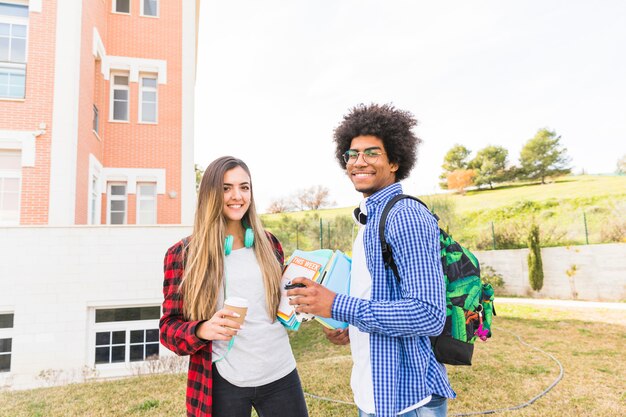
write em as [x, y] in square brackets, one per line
[401, 315]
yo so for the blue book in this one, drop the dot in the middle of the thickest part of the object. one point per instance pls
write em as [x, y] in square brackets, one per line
[336, 277]
[327, 267]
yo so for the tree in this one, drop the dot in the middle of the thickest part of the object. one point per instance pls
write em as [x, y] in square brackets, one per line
[543, 156]
[281, 205]
[455, 159]
[490, 165]
[621, 165]
[313, 198]
[461, 179]
[535, 264]
[199, 172]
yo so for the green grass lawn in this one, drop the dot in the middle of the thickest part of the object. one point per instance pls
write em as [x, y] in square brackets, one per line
[506, 373]
[582, 186]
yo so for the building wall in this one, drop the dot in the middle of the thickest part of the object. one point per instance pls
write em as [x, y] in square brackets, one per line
[63, 84]
[600, 276]
[77, 269]
[91, 92]
[138, 145]
[35, 111]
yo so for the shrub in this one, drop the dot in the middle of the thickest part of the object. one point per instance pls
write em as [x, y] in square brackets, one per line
[490, 276]
[535, 265]
[614, 228]
[444, 207]
[508, 235]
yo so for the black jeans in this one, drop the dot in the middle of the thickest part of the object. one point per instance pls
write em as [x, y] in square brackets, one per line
[281, 398]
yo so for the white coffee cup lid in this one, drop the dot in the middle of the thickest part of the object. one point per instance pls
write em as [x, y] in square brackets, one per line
[236, 302]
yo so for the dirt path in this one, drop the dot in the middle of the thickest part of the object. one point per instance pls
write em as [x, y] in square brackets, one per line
[613, 313]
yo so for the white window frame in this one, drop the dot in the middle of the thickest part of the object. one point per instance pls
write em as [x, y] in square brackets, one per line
[114, 7]
[111, 197]
[158, 9]
[11, 65]
[13, 174]
[114, 87]
[113, 326]
[94, 200]
[143, 89]
[7, 333]
[143, 197]
[95, 173]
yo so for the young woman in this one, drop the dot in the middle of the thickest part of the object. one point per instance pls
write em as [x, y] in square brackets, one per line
[232, 368]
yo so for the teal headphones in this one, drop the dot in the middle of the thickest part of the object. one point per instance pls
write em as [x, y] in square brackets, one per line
[248, 241]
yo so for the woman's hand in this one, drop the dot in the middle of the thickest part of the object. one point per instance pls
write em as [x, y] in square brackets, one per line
[219, 327]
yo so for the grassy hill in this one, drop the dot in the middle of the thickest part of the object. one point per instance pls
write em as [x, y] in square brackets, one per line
[570, 210]
[562, 188]
[565, 188]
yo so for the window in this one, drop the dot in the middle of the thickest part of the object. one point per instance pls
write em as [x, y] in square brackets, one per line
[105, 315]
[146, 203]
[144, 344]
[116, 204]
[148, 100]
[119, 95]
[110, 347]
[127, 334]
[12, 82]
[13, 36]
[121, 6]
[96, 119]
[10, 179]
[150, 8]
[6, 342]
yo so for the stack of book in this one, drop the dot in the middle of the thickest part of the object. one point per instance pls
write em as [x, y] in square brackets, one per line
[324, 266]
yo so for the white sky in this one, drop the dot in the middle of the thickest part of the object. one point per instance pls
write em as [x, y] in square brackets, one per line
[275, 77]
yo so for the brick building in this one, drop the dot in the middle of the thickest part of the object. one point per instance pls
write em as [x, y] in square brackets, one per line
[96, 112]
[96, 180]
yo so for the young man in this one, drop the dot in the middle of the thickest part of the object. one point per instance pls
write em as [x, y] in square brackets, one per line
[395, 372]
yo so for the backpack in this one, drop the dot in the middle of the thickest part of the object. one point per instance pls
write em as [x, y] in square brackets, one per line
[469, 302]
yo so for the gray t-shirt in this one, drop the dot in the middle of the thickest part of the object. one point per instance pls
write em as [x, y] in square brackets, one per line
[261, 352]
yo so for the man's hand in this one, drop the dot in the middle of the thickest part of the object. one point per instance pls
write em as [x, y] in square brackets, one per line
[312, 298]
[337, 336]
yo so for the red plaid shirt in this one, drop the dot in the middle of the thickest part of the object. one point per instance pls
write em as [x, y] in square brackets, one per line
[179, 335]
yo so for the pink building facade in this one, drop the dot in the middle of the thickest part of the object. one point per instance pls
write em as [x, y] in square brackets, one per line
[96, 112]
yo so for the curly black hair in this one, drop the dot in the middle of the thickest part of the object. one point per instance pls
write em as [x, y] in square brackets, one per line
[387, 123]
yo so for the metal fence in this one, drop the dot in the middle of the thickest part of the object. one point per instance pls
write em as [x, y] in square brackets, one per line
[577, 227]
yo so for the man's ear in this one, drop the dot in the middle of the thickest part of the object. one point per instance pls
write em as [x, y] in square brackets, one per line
[394, 167]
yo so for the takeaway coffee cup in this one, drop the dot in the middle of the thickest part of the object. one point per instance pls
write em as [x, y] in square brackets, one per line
[238, 305]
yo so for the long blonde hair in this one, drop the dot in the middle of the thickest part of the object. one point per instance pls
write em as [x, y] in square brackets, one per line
[203, 274]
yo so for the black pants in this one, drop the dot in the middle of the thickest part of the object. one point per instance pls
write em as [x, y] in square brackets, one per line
[281, 398]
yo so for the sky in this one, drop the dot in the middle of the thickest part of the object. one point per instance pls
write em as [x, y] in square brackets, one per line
[275, 77]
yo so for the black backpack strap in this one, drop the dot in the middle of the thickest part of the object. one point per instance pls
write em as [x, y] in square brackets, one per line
[384, 246]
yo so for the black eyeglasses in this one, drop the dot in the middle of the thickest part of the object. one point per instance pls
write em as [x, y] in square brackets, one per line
[369, 156]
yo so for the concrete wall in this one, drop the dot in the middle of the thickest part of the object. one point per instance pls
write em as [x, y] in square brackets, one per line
[53, 278]
[600, 275]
